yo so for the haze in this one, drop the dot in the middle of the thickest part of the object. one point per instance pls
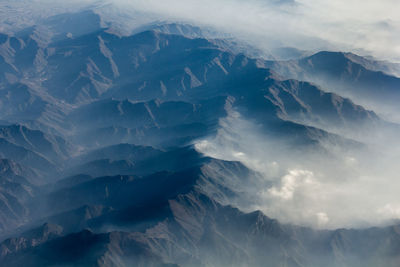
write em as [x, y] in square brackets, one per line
[346, 187]
[365, 27]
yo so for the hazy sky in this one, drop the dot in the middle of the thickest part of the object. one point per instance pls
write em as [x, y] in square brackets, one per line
[370, 25]
[363, 26]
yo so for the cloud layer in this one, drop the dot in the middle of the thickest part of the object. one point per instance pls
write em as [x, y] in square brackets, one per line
[367, 27]
[344, 188]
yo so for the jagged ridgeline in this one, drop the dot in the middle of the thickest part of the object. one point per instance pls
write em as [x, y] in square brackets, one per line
[104, 139]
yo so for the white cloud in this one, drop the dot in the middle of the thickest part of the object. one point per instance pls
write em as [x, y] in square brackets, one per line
[290, 183]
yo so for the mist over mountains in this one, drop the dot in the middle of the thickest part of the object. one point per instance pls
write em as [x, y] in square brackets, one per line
[140, 134]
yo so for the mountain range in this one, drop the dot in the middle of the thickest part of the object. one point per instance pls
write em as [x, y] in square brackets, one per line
[99, 138]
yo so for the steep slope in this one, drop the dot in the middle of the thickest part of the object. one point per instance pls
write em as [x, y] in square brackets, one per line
[106, 65]
[44, 153]
[19, 103]
[146, 114]
[200, 232]
[25, 157]
[115, 197]
[305, 103]
[54, 148]
[341, 73]
[17, 188]
[389, 68]
[155, 123]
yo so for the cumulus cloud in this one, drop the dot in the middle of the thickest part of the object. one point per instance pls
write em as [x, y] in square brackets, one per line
[290, 183]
